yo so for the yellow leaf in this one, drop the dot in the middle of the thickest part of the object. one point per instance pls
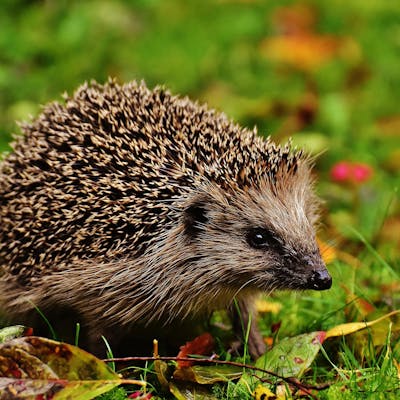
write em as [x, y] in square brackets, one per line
[328, 252]
[264, 306]
[263, 393]
[346, 329]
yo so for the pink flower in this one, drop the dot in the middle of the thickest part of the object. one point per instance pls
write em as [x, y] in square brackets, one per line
[362, 172]
[341, 171]
[345, 171]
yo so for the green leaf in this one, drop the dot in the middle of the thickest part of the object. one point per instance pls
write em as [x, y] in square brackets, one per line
[207, 375]
[292, 356]
[12, 332]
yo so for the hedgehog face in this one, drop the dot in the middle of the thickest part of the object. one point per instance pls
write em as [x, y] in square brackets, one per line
[262, 238]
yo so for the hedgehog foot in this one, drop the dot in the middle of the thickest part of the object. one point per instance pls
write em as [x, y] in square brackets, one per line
[242, 316]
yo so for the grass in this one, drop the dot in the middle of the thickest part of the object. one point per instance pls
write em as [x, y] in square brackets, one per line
[342, 105]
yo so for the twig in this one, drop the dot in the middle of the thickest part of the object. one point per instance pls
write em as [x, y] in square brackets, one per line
[290, 380]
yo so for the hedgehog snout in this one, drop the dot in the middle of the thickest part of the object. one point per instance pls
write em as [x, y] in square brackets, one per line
[316, 274]
[319, 279]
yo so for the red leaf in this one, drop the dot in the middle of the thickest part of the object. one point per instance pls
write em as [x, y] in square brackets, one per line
[201, 345]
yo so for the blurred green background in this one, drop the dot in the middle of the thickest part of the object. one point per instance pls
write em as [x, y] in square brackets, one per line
[325, 73]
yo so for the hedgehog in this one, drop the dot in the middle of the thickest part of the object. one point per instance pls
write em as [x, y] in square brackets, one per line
[126, 208]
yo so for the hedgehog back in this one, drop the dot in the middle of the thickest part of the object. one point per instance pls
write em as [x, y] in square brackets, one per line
[96, 176]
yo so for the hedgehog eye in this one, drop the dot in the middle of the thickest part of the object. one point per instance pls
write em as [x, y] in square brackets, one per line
[260, 238]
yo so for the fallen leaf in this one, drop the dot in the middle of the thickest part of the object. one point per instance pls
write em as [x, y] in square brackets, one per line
[292, 356]
[375, 336]
[201, 345]
[352, 327]
[31, 367]
[161, 369]
[12, 332]
[207, 375]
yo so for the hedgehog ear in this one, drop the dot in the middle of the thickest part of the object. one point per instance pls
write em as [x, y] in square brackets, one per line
[194, 215]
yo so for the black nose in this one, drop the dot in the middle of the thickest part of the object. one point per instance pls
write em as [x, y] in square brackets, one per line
[320, 280]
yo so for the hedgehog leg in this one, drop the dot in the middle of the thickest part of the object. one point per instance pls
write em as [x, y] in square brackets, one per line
[242, 316]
